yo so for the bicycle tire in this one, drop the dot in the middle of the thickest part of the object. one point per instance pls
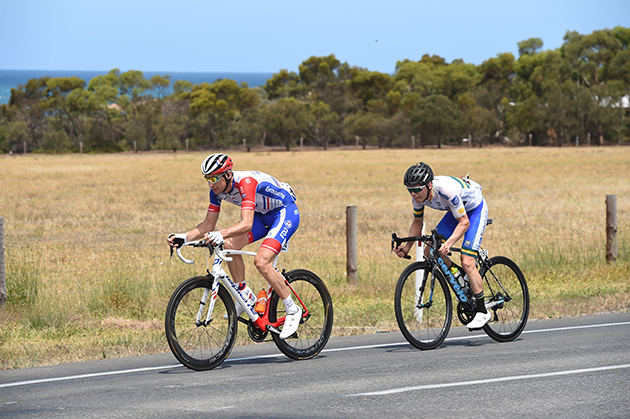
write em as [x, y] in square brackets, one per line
[200, 347]
[314, 331]
[502, 276]
[427, 327]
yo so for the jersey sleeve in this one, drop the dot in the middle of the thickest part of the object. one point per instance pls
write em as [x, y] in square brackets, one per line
[215, 203]
[456, 205]
[418, 209]
[247, 188]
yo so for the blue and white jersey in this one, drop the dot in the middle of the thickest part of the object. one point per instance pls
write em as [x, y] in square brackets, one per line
[255, 191]
[456, 195]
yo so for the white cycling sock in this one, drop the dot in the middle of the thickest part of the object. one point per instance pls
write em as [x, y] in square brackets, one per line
[289, 305]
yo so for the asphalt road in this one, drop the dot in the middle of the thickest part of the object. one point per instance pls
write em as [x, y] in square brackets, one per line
[565, 368]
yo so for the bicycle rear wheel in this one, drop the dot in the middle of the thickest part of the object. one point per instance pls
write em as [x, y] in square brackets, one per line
[316, 327]
[197, 345]
[507, 294]
[424, 309]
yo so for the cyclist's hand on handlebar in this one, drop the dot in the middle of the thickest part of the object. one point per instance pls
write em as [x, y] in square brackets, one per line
[445, 249]
[401, 251]
[176, 240]
[215, 238]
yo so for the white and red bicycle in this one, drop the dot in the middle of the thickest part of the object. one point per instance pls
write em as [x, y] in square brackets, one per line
[201, 322]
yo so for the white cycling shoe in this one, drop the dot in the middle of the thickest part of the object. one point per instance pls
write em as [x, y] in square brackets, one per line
[479, 320]
[291, 323]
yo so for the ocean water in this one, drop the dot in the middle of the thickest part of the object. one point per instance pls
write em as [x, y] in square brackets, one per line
[12, 78]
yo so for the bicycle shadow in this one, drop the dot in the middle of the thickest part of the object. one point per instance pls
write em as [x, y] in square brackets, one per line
[276, 359]
[458, 341]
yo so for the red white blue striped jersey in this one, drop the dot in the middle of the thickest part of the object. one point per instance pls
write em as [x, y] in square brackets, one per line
[256, 191]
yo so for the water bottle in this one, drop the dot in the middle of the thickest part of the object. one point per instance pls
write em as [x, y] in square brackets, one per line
[261, 302]
[458, 276]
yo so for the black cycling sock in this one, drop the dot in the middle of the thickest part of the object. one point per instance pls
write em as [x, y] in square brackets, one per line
[479, 300]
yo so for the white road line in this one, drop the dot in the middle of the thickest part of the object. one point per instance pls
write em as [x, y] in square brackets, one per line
[489, 380]
[353, 348]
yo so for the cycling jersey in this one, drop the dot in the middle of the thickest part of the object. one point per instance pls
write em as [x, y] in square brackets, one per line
[276, 217]
[458, 197]
[256, 191]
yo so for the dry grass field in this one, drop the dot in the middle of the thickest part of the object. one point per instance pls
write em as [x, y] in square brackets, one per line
[89, 277]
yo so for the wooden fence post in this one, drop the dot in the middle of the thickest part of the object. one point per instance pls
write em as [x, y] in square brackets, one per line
[3, 283]
[611, 228]
[351, 244]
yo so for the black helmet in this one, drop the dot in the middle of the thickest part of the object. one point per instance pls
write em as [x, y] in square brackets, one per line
[418, 175]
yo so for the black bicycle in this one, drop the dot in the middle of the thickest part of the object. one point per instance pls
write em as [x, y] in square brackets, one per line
[423, 304]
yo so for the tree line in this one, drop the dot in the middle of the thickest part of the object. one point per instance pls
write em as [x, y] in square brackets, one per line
[576, 94]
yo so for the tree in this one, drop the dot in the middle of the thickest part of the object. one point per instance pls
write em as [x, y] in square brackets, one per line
[530, 46]
[323, 123]
[249, 127]
[68, 107]
[160, 84]
[366, 126]
[369, 85]
[437, 119]
[282, 85]
[286, 121]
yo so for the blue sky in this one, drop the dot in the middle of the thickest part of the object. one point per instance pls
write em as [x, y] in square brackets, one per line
[266, 36]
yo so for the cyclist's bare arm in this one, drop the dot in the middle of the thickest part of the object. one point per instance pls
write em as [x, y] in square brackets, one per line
[198, 232]
[241, 228]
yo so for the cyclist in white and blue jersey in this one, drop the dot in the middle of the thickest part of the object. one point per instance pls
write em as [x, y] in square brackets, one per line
[268, 211]
[466, 216]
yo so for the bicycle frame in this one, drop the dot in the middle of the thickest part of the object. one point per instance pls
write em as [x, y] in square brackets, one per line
[436, 262]
[221, 277]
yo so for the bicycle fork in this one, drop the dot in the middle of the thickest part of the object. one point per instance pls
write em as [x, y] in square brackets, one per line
[203, 303]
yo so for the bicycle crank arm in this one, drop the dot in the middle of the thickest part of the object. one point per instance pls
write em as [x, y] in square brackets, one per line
[492, 304]
[273, 329]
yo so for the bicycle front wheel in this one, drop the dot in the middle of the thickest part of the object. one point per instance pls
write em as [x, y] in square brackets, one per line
[507, 298]
[424, 309]
[316, 327]
[197, 344]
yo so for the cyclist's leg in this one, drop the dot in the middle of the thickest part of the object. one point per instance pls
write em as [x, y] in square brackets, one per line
[237, 266]
[282, 225]
[478, 218]
[472, 240]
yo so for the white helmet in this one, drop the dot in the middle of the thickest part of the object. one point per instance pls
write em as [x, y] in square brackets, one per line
[215, 164]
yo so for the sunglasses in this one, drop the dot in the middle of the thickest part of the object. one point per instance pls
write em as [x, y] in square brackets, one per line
[214, 178]
[416, 190]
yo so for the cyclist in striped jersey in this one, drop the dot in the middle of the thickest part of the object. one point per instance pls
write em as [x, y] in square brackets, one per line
[466, 216]
[268, 211]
